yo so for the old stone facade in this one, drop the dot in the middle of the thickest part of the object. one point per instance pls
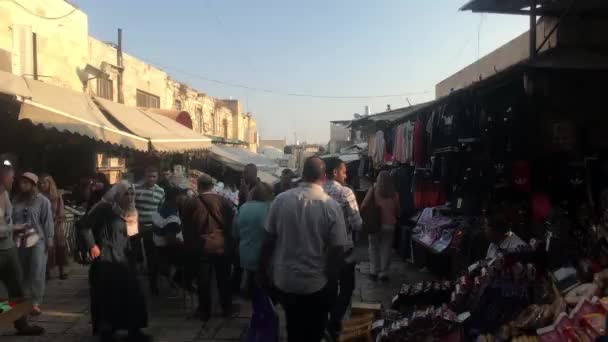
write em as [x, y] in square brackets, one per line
[65, 55]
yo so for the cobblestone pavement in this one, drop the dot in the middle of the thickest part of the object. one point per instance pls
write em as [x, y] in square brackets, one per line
[66, 310]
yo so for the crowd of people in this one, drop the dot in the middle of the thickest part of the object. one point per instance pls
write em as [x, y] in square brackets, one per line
[292, 242]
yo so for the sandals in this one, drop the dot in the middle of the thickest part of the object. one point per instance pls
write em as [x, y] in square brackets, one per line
[36, 311]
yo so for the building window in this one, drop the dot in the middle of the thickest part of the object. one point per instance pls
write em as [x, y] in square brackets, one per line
[213, 124]
[225, 124]
[178, 105]
[105, 88]
[147, 100]
[199, 119]
[23, 51]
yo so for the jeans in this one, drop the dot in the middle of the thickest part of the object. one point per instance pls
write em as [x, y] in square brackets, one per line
[152, 261]
[33, 263]
[11, 277]
[380, 249]
[346, 284]
[220, 265]
[307, 314]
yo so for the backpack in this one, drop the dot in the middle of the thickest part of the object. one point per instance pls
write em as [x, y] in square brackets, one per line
[81, 253]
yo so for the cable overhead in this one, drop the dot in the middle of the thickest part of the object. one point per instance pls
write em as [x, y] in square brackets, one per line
[274, 92]
[41, 16]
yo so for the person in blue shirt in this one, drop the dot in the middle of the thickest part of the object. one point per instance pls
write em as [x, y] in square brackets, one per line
[249, 229]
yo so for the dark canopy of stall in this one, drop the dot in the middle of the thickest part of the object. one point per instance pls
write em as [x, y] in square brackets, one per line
[548, 8]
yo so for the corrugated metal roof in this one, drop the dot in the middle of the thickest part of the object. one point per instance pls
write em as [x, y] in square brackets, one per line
[391, 116]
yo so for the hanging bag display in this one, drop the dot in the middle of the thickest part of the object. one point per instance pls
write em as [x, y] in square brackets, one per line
[371, 215]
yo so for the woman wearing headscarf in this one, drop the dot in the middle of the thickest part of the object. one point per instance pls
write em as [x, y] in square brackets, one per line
[34, 210]
[249, 230]
[117, 301]
[386, 200]
[58, 254]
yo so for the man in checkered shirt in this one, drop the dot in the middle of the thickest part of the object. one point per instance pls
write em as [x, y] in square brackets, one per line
[336, 189]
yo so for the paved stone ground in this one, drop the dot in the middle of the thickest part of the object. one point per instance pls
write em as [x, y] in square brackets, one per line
[66, 310]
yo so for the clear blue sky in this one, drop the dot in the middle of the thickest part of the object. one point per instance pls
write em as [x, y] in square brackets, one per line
[337, 47]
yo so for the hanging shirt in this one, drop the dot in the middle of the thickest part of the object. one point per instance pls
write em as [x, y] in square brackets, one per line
[418, 144]
[409, 141]
[399, 147]
[379, 149]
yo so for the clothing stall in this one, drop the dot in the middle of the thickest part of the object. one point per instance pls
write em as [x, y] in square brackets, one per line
[525, 141]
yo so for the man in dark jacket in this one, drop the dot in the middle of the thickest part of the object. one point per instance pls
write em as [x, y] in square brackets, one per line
[207, 222]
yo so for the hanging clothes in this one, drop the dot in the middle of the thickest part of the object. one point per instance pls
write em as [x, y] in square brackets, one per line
[379, 149]
[371, 145]
[399, 147]
[418, 144]
[409, 141]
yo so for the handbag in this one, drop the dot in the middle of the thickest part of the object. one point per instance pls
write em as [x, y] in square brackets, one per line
[27, 239]
[371, 216]
[214, 239]
[264, 324]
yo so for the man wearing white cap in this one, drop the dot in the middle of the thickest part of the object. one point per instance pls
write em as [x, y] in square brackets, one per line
[34, 210]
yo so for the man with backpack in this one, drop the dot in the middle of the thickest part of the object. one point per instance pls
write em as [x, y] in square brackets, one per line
[207, 222]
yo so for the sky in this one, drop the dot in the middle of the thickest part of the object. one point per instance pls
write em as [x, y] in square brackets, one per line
[337, 48]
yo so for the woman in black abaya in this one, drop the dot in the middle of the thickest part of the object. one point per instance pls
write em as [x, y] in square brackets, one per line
[117, 301]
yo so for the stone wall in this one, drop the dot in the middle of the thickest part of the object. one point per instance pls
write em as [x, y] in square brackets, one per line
[65, 49]
[55, 38]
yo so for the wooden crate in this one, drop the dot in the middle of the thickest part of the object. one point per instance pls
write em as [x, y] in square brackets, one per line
[359, 308]
[357, 329]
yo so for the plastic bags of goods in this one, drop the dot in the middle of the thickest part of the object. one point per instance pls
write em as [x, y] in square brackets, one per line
[422, 293]
[264, 324]
[434, 322]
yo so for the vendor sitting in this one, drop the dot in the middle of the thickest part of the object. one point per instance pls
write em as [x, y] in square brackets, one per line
[502, 239]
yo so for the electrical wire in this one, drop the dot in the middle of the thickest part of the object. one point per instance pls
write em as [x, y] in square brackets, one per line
[44, 17]
[274, 92]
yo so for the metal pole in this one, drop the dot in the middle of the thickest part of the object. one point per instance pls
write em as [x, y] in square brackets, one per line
[35, 53]
[532, 29]
[121, 98]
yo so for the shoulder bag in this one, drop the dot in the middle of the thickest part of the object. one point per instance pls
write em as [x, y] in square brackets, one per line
[371, 215]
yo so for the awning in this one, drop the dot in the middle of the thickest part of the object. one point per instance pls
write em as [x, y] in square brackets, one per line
[546, 8]
[67, 110]
[13, 85]
[236, 158]
[267, 177]
[392, 115]
[164, 134]
[180, 116]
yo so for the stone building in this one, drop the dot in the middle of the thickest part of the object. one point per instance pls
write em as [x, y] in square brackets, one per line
[61, 52]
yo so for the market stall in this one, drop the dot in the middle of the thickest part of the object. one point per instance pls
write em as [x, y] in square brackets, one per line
[529, 144]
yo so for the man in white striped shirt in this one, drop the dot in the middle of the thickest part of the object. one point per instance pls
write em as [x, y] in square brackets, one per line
[334, 186]
[149, 196]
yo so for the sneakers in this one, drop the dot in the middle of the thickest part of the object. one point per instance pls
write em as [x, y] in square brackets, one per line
[36, 311]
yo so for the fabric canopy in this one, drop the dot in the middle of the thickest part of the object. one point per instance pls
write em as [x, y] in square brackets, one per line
[236, 158]
[74, 112]
[165, 135]
[13, 85]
